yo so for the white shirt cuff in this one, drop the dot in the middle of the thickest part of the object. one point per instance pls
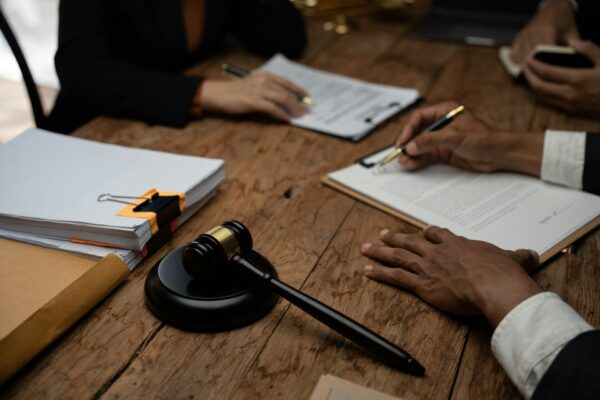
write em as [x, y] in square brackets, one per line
[529, 338]
[563, 158]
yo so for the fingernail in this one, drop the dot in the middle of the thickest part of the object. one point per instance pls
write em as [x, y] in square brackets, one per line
[384, 232]
[366, 246]
[411, 148]
[368, 268]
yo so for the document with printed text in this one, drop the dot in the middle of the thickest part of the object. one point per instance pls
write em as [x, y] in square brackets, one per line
[344, 107]
[509, 210]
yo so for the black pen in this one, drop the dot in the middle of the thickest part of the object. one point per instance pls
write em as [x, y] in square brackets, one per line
[439, 124]
[240, 73]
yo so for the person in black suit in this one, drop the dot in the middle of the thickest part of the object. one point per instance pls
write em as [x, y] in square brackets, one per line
[547, 349]
[125, 59]
[563, 22]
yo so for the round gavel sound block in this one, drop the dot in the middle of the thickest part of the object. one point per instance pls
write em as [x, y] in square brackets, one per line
[215, 302]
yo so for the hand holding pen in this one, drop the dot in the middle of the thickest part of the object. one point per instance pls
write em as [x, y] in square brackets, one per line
[298, 93]
[467, 142]
[439, 123]
[262, 92]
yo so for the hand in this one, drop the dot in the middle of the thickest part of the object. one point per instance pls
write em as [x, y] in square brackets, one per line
[263, 92]
[468, 143]
[573, 89]
[553, 24]
[454, 274]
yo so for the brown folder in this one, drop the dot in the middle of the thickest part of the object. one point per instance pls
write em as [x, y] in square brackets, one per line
[42, 293]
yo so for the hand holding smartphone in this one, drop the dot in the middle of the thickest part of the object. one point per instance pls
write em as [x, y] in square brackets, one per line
[562, 56]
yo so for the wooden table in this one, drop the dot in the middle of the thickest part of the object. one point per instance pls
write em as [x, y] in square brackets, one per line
[312, 235]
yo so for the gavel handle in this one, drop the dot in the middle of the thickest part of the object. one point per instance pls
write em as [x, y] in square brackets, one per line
[345, 326]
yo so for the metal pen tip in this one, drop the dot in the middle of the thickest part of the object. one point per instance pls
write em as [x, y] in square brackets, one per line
[390, 157]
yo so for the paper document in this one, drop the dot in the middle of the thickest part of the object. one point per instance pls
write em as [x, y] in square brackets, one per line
[129, 257]
[344, 107]
[331, 387]
[51, 185]
[509, 210]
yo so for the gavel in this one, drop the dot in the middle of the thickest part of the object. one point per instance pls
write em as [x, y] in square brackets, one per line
[218, 282]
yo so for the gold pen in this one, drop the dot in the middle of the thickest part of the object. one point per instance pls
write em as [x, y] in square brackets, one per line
[240, 73]
[439, 124]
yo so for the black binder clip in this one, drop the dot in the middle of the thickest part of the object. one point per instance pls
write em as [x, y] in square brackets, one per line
[167, 209]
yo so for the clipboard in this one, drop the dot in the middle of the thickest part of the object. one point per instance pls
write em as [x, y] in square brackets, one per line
[43, 292]
[374, 202]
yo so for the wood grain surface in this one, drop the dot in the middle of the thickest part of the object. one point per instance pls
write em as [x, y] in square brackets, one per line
[311, 234]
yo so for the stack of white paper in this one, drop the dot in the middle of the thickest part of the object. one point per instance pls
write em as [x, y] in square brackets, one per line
[51, 184]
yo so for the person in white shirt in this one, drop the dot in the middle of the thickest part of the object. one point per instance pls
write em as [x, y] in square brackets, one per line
[546, 348]
[562, 157]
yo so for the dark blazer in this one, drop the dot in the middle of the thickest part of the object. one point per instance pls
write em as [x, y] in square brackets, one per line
[575, 372]
[124, 58]
[587, 20]
[591, 166]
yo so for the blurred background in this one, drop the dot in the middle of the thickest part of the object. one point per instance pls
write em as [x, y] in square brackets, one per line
[35, 24]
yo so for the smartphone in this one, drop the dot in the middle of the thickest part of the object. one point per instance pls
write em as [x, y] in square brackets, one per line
[562, 56]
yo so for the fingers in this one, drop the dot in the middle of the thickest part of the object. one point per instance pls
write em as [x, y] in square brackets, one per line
[394, 257]
[411, 242]
[522, 46]
[278, 92]
[551, 73]
[570, 35]
[392, 276]
[286, 100]
[431, 141]
[558, 94]
[437, 235]
[586, 48]
[530, 37]
[528, 259]
[414, 163]
[421, 118]
[288, 85]
[270, 108]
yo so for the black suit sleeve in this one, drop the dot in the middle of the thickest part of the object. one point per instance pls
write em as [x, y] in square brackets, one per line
[591, 167]
[267, 27]
[103, 84]
[588, 15]
[575, 372]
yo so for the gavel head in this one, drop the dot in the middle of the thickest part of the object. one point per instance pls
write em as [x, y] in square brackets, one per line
[211, 252]
[200, 287]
